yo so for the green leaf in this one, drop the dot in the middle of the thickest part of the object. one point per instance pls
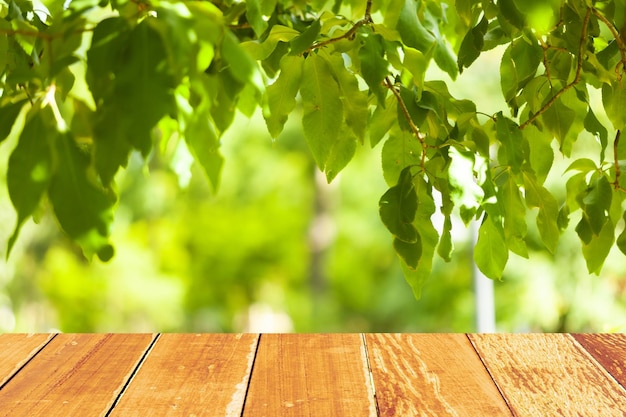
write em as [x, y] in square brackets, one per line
[401, 150]
[598, 248]
[8, 114]
[29, 170]
[582, 165]
[491, 253]
[262, 50]
[83, 207]
[4, 49]
[254, 14]
[281, 95]
[562, 119]
[541, 154]
[354, 100]
[323, 110]
[514, 217]
[593, 125]
[132, 85]
[241, 65]
[203, 142]
[428, 237]
[512, 140]
[472, 44]
[398, 207]
[614, 101]
[445, 58]
[621, 239]
[374, 68]
[446, 247]
[410, 253]
[341, 152]
[597, 202]
[302, 42]
[539, 196]
[382, 119]
[511, 13]
[411, 30]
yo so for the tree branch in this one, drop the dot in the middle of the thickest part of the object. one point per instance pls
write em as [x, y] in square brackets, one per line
[620, 42]
[579, 67]
[416, 132]
[618, 172]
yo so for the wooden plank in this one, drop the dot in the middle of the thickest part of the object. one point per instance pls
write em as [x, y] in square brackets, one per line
[310, 375]
[75, 375]
[16, 350]
[548, 375]
[609, 350]
[191, 375]
[431, 375]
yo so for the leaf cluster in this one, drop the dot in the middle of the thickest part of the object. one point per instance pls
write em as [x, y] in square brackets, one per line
[86, 83]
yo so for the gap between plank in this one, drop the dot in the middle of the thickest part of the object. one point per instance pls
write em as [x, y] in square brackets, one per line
[28, 361]
[506, 401]
[594, 361]
[132, 375]
[369, 377]
[245, 397]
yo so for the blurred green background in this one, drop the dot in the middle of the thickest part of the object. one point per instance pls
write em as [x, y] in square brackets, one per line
[277, 249]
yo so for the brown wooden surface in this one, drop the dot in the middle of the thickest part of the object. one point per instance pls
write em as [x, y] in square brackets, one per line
[75, 375]
[192, 375]
[431, 375]
[312, 375]
[316, 375]
[16, 350]
[547, 375]
[609, 350]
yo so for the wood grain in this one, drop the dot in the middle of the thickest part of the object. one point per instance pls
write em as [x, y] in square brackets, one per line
[548, 375]
[431, 375]
[75, 375]
[16, 350]
[310, 375]
[609, 350]
[192, 375]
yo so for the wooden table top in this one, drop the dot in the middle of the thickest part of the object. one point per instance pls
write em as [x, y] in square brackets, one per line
[312, 375]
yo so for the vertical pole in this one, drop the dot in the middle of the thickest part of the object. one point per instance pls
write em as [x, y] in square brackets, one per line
[484, 300]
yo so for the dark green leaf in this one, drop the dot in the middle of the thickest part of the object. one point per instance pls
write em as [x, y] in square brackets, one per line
[411, 30]
[8, 114]
[593, 125]
[511, 13]
[410, 253]
[398, 207]
[446, 247]
[83, 207]
[614, 100]
[445, 58]
[597, 202]
[29, 170]
[301, 43]
[374, 68]
[621, 239]
[472, 44]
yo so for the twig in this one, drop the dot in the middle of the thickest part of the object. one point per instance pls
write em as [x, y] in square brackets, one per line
[579, 67]
[416, 132]
[620, 43]
[618, 172]
[367, 19]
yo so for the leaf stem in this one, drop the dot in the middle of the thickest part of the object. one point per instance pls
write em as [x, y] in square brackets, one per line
[576, 80]
[416, 132]
[367, 19]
